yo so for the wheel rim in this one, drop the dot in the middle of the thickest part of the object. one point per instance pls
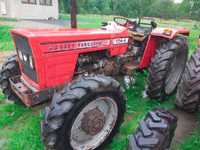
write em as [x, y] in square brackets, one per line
[175, 70]
[94, 124]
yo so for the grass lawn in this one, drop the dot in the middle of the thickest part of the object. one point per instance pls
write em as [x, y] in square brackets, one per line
[5, 38]
[88, 21]
[20, 126]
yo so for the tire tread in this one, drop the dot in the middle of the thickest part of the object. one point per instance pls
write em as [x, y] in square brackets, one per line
[187, 97]
[155, 132]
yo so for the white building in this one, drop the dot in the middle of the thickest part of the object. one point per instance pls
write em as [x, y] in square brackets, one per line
[29, 9]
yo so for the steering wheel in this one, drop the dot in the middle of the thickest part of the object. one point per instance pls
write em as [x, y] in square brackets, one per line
[125, 22]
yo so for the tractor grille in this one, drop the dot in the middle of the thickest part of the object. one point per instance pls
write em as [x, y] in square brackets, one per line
[23, 46]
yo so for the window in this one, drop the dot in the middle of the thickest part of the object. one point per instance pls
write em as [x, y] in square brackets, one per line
[29, 1]
[46, 2]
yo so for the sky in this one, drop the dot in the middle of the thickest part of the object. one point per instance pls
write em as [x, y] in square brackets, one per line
[178, 1]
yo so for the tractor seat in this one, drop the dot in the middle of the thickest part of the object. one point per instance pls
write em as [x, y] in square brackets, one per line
[140, 33]
[144, 30]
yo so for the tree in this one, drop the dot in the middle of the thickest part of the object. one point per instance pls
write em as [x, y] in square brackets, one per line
[135, 8]
[64, 6]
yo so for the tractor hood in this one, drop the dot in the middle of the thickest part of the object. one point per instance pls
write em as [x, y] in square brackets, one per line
[49, 56]
[70, 34]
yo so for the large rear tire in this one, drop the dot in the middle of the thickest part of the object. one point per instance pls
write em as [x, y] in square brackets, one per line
[188, 92]
[78, 115]
[166, 67]
[155, 132]
[9, 69]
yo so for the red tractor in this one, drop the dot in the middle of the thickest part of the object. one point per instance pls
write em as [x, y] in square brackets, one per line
[71, 67]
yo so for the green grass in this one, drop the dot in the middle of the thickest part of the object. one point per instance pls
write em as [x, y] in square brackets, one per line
[24, 133]
[5, 38]
[2, 97]
[88, 21]
[137, 107]
[26, 136]
[8, 19]
[9, 113]
[20, 126]
[192, 142]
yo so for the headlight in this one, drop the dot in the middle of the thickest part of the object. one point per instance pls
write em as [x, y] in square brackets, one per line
[20, 55]
[25, 57]
[31, 62]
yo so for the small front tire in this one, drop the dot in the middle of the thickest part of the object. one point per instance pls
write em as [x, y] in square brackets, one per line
[9, 69]
[155, 132]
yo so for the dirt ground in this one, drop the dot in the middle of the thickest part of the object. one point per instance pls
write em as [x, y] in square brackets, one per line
[187, 122]
[4, 55]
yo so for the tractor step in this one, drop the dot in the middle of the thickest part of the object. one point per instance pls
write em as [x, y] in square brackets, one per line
[28, 96]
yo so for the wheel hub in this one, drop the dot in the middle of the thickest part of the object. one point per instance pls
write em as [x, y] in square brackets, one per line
[94, 124]
[93, 121]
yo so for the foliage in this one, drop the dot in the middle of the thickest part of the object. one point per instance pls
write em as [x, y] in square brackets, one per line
[192, 142]
[5, 38]
[135, 8]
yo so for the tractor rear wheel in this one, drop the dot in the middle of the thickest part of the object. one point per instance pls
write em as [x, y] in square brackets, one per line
[9, 69]
[167, 67]
[85, 115]
[155, 132]
[188, 92]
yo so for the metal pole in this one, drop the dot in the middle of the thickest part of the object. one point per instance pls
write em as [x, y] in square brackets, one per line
[73, 14]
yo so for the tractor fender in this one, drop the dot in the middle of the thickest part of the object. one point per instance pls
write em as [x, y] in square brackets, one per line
[153, 43]
[149, 51]
[169, 33]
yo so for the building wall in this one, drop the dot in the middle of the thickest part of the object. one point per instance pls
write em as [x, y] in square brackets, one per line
[19, 10]
[4, 8]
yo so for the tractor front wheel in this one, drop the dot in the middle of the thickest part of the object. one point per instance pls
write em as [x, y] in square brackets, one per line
[187, 97]
[84, 115]
[9, 69]
[167, 67]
